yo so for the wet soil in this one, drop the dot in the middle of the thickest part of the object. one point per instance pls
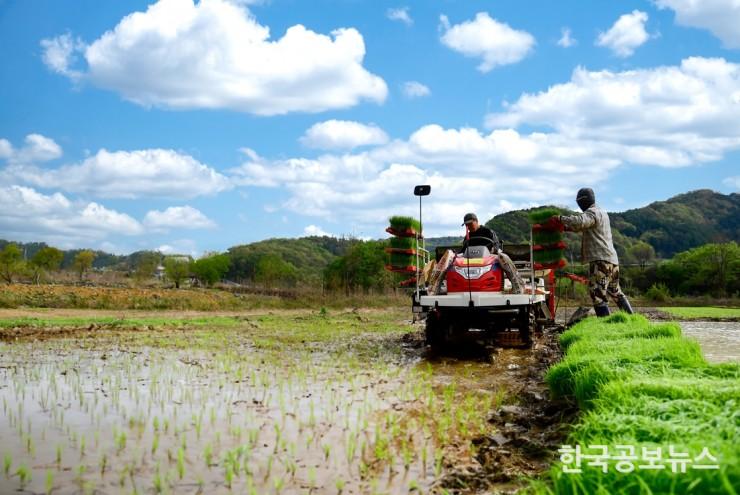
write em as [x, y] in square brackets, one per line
[527, 430]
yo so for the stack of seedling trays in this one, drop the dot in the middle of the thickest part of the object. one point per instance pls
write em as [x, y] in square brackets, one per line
[403, 254]
[548, 240]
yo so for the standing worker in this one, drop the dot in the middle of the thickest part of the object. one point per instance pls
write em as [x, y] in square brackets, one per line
[597, 249]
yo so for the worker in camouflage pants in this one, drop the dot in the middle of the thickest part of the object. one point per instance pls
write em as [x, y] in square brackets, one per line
[597, 249]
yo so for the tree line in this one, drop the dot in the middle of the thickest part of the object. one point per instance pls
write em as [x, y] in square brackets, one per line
[359, 267]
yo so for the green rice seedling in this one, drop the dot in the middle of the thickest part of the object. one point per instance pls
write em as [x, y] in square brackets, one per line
[49, 483]
[268, 468]
[402, 242]
[541, 215]
[653, 389]
[157, 482]
[24, 475]
[181, 463]
[7, 463]
[155, 443]
[399, 222]
[208, 455]
[103, 464]
[340, 483]
[278, 484]
[120, 441]
[327, 451]
[228, 475]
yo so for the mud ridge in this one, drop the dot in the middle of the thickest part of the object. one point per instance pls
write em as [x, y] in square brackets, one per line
[526, 434]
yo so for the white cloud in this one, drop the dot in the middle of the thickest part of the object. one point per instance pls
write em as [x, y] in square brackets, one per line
[128, 174]
[400, 14]
[60, 53]
[345, 134]
[733, 182]
[415, 89]
[177, 217]
[588, 127]
[670, 116]
[486, 38]
[28, 215]
[627, 33]
[180, 246]
[214, 54]
[721, 17]
[315, 230]
[566, 40]
[37, 148]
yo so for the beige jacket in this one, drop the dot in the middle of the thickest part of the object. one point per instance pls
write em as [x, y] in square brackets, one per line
[597, 244]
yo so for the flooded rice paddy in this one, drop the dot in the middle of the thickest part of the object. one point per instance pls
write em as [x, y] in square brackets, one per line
[312, 403]
[719, 340]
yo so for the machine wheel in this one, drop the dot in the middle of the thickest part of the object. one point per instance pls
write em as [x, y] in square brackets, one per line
[526, 323]
[435, 330]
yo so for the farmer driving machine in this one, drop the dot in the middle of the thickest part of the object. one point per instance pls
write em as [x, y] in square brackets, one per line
[464, 294]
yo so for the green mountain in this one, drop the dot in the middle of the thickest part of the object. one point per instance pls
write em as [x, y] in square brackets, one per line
[680, 223]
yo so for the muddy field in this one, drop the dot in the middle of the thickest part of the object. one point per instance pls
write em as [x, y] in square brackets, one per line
[300, 402]
[282, 402]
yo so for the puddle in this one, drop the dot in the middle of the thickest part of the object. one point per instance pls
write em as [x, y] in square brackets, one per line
[720, 341]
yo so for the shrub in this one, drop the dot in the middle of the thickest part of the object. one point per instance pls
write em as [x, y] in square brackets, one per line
[658, 293]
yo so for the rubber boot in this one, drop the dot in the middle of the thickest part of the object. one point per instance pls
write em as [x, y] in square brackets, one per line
[624, 305]
[601, 310]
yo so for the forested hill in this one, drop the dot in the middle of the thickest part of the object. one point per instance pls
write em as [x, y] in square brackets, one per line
[680, 223]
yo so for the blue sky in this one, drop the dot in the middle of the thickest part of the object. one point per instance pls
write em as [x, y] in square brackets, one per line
[195, 126]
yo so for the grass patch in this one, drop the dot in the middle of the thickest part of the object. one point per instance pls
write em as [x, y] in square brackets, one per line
[646, 386]
[702, 312]
[113, 322]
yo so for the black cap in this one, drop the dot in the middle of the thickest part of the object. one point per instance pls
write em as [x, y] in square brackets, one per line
[585, 198]
[469, 217]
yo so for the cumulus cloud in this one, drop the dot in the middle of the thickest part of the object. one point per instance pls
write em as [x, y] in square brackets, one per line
[670, 116]
[127, 174]
[495, 42]
[627, 33]
[36, 148]
[566, 39]
[346, 134]
[315, 230]
[587, 127]
[61, 52]
[215, 55]
[415, 89]
[177, 217]
[400, 14]
[28, 215]
[720, 17]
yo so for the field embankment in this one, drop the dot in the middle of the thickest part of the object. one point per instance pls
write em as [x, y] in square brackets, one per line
[119, 298]
[645, 392]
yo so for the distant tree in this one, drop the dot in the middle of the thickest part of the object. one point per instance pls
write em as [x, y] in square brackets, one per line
[146, 265]
[272, 270]
[643, 253]
[211, 269]
[712, 268]
[83, 262]
[176, 270]
[47, 259]
[361, 268]
[11, 262]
